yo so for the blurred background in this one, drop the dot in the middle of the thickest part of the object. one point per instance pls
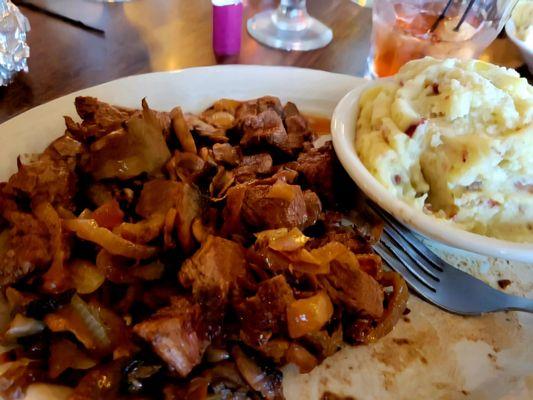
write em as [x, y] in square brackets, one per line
[79, 43]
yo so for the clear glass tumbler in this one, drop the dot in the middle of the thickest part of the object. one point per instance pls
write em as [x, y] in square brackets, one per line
[289, 27]
[403, 30]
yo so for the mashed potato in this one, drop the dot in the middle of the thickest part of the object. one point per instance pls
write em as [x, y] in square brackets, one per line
[454, 138]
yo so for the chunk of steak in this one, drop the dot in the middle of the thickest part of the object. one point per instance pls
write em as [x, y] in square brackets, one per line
[356, 289]
[297, 129]
[176, 334]
[313, 207]
[265, 314]
[265, 207]
[255, 107]
[157, 197]
[46, 178]
[213, 269]
[349, 237]
[99, 118]
[226, 154]
[23, 248]
[317, 166]
[265, 128]
[253, 165]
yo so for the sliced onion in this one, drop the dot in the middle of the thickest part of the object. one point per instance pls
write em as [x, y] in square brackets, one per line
[269, 386]
[214, 355]
[395, 307]
[281, 190]
[300, 357]
[329, 252]
[285, 240]
[88, 229]
[79, 319]
[85, 276]
[94, 325]
[143, 231]
[22, 326]
[179, 124]
[44, 391]
[149, 272]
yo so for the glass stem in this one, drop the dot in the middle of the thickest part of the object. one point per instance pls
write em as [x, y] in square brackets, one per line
[291, 15]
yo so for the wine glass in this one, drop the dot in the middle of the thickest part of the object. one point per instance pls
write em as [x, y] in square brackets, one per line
[289, 27]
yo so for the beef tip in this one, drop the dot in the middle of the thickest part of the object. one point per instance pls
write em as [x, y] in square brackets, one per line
[259, 163]
[355, 288]
[275, 206]
[252, 166]
[99, 118]
[226, 154]
[294, 121]
[157, 197]
[176, 334]
[297, 129]
[265, 128]
[213, 270]
[348, 236]
[313, 207]
[46, 178]
[66, 146]
[317, 166]
[255, 107]
[23, 248]
[265, 314]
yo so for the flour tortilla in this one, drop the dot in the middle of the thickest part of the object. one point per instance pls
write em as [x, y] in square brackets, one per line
[432, 354]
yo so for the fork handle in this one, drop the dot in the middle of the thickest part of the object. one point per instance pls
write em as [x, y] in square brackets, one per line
[519, 304]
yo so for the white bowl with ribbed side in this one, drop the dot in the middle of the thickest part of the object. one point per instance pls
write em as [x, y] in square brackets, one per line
[343, 130]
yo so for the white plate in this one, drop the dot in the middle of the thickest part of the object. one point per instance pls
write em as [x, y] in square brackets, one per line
[343, 130]
[429, 355]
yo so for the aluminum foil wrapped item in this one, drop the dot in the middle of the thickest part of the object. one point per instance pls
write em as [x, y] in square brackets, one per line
[14, 51]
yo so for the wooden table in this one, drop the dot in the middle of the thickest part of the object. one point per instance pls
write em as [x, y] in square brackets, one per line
[161, 35]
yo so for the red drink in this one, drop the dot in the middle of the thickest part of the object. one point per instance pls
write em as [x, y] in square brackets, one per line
[407, 30]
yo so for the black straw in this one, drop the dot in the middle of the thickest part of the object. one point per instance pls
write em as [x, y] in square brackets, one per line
[468, 7]
[441, 16]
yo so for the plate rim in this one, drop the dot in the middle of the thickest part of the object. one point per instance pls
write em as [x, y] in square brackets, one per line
[205, 68]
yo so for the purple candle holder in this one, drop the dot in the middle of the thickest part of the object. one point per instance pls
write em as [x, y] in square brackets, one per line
[227, 27]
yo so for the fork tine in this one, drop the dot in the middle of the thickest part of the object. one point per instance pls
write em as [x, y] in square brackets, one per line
[406, 260]
[435, 262]
[407, 248]
[397, 266]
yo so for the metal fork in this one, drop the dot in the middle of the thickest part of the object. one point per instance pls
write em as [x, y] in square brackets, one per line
[437, 281]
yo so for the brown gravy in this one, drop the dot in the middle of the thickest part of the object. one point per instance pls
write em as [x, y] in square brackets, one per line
[320, 125]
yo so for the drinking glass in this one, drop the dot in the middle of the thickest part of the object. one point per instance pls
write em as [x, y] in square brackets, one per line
[289, 27]
[403, 30]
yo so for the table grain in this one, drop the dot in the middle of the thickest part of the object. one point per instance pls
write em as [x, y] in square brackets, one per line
[162, 35]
